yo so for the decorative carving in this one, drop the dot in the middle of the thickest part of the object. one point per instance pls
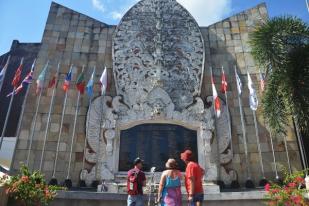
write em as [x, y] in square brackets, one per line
[158, 43]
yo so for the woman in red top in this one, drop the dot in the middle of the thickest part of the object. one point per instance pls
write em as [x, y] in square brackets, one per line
[193, 179]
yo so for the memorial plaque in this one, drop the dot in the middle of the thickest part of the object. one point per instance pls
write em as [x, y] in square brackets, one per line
[155, 143]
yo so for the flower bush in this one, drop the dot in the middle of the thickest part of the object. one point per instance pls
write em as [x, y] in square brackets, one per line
[29, 188]
[290, 193]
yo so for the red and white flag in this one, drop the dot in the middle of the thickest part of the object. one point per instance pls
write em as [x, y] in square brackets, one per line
[16, 80]
[103, 81]
[223, 82]
[216, 100]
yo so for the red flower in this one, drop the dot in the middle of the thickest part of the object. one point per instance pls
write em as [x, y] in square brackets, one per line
[292, 184]
[267, 187]
[25, 179]
[299, 180]
[296, 199]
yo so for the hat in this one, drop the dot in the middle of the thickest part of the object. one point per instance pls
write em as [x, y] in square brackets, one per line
[138, 160]
[186, 155]
[171, 164]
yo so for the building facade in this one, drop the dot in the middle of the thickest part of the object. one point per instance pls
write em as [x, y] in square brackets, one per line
[158, 62]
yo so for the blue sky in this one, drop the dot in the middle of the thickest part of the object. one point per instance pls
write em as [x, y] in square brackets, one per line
[24, 20]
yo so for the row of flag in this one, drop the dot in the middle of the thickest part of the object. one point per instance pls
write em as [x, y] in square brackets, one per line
[80, 82]
[253, 99]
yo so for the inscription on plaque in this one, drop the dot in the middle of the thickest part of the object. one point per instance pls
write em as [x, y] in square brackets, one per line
[155, 143]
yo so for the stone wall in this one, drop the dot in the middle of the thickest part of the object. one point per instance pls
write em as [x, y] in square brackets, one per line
[227, 45]
[69, 38]
[73, 38]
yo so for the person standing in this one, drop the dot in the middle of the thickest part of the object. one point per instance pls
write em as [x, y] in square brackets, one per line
[169, 193]
[193, 179]
[136, 180]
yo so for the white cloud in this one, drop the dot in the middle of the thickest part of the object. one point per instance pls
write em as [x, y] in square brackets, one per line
[97, 4]
[207, 12]
[116, 15]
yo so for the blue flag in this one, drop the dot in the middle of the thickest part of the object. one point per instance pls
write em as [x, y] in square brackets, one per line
[89, 86]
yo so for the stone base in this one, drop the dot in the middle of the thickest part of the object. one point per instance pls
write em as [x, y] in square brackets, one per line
[209, 188]
[3, 197]
[81, 198]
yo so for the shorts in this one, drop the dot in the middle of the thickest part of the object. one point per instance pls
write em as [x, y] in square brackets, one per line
[135, 200]
[197, 198]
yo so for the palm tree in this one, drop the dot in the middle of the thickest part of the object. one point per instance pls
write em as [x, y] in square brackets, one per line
[281, 46]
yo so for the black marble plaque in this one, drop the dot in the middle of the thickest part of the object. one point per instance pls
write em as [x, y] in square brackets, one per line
[155, 143]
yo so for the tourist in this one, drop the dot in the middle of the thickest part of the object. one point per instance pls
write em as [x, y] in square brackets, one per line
[169, 193]
[136, 180]
[193, 179]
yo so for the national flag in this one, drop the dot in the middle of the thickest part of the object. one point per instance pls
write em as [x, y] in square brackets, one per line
[238, 82]
[223, 82]
[103, 81]
[68, 78]
[89, 86]
[41, 79]
[253, 100]
[80, 83]
[262, 81]
[216, 100]
[3, 71]
[52, 82]
[16, 78]
[27, 80]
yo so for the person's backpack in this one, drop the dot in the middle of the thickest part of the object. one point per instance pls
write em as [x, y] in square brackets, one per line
[132, 183]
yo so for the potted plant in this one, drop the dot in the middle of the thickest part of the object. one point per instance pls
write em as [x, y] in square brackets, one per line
[290, 193]
[29, 189]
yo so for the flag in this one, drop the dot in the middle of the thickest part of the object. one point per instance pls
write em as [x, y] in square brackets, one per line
[3, 71]
[89, 86]
[80, 83]
[216, 100]
[24, 84]
[68, 78]
[103, 81]
[16, 78]
[223, 82]
[238, 82]
[253, 100]
[52, 82]
[41, 78]
[262, 81]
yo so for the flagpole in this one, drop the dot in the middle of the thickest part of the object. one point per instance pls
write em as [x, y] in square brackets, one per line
[34, 123]
[307, 3]
[83, 183]
[49, 117]
[274, 155]
[287, 153]
[219, 182]
[54, 180]
[228, 117]
[68, 181]
[8, 112]
[249, 183]
[3, 78]
[263, 182]
[20, 121]
[301, 144]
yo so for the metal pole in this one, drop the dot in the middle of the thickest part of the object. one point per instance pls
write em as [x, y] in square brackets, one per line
[60, 133]
[307, 3]
[258, 143]
[7, 118]
[301, 144]
[73, 134]
[229, 119]
[85, 142]
[244, 134]
[19, 126]
[287, 153]
[6, 68]
[274, 155]
[49, 117]
[33, 127]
